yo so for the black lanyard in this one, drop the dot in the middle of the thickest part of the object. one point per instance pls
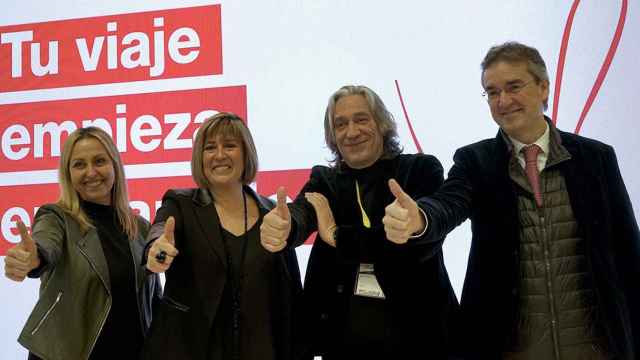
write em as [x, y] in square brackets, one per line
[236, 288]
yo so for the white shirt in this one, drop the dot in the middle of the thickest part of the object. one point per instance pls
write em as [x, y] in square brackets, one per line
[542, 142]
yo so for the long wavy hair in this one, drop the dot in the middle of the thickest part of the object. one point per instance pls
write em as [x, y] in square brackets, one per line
[69, 200]
[383, 118]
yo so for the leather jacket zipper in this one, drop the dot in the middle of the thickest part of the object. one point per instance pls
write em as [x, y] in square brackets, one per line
[46, 315]
[106, 314]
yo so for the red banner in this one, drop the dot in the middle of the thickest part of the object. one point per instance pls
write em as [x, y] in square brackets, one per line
[108, 49]
[147, 128]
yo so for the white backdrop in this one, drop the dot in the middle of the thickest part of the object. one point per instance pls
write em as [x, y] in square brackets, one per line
[289, 56]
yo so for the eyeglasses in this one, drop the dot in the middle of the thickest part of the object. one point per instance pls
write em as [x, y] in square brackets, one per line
[511, 89]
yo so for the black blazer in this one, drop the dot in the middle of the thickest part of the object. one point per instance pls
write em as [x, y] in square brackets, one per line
[197, 277]
[479, 188]
[419, 298]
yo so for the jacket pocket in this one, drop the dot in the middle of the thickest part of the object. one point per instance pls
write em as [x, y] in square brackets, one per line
[47, 313]
[174, 304]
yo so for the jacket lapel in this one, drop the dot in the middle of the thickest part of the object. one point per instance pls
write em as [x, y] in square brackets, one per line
[136, 252]
[264, 205]
[579, 182]
[89, 245]
[209, 223]
[503, 189]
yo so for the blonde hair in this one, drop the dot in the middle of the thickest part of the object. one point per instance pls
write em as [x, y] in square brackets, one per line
[226, 125]
[69, 200]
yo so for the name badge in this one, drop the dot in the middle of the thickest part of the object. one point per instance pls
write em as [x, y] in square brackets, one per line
[366, 283]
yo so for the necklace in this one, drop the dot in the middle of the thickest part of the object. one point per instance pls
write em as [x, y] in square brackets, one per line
[236, 288]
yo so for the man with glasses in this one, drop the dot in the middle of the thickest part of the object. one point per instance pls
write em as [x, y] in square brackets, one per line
[554, 266]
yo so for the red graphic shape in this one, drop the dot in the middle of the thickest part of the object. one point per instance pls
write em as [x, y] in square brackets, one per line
[406, 116]
[603, 69]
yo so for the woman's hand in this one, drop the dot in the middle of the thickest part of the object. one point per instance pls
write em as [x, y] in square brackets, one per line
[163, 250]
[23, 257]
[326, 223]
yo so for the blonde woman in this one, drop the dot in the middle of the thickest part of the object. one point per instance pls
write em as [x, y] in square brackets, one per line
[95, 296]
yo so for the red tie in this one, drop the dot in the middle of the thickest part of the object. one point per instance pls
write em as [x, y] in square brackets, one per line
[531, 168]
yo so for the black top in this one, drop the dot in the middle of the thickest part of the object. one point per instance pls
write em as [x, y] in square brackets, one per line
[121, 336]
[365, 326]
[256, 337]
[193, 293]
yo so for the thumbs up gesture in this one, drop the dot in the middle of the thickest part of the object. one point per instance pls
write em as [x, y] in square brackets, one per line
[276, 225]
[23, 257]
[163, 250]
[326, 222]
[402, 217]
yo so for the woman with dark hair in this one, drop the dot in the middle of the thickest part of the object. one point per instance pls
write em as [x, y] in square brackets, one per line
[225, 296]
[95, 296]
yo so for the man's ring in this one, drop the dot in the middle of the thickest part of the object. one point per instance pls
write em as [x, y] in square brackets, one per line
[161, 256]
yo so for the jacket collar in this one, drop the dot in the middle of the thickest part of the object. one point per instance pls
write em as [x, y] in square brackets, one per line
[207, 216]
[377, 168]
[557, 151]
[202, 197]
[566, 152]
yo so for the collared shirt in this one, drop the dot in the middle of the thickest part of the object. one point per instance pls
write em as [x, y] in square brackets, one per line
[542, 142]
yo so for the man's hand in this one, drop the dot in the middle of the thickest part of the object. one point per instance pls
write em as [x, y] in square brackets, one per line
[23, 257]
[163, 250]
[326, 223]
[402, 217]
[276, 225]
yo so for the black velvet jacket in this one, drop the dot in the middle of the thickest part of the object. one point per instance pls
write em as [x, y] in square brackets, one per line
[419, 298]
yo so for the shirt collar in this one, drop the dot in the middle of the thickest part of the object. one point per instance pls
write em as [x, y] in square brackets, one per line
[542, 142]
